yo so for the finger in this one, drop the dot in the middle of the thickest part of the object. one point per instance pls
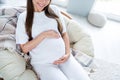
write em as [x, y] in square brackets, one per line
[60, 61]
[57, 62]
[53, 30]
[57, 36]
[63, 57]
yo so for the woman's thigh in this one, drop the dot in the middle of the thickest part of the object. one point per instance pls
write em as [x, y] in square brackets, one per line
[73, 70]
[49, 72]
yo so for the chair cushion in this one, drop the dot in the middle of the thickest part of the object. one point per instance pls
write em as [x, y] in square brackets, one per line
[79, 39]
[13, 66]
[28, 75]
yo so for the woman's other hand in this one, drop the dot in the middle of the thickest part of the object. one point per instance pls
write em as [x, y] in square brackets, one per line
[62, 59]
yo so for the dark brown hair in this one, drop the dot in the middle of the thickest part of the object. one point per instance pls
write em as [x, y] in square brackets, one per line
[30, 15]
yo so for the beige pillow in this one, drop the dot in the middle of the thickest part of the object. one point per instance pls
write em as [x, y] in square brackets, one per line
[13, 66]
[79, 39]
[97, 19]
[74, 31]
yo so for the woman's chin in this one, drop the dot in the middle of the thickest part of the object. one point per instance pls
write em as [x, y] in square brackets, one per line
[39, 9]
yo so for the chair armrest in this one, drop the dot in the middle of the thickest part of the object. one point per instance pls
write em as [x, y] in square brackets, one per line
[66, 14]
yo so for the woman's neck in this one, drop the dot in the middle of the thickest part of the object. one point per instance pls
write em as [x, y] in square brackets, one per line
[37, 9]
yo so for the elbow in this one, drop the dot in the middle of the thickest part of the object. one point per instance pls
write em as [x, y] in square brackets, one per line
[24, 49]
[65, 35]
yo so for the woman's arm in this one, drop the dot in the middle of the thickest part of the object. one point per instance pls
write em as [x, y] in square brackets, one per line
[67, 50]
[33, 43]
[67, 43]
[66, 15]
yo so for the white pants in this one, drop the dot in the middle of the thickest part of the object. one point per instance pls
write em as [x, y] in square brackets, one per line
[70, 70]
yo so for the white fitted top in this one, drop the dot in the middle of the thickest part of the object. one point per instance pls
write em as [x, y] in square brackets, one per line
[50, 49]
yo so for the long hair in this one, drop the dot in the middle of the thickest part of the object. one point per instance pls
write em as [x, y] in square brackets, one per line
[30, 15]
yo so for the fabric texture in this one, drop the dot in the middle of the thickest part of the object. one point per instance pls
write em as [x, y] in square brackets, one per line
[106, 71]
[86, 61]
[82, 58]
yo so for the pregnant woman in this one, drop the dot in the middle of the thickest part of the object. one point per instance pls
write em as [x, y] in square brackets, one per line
[41, 31]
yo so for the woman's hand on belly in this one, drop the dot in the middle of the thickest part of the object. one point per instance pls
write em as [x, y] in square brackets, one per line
[62, 59]
[51, 34]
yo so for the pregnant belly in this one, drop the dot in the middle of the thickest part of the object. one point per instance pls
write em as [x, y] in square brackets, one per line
[49, 50]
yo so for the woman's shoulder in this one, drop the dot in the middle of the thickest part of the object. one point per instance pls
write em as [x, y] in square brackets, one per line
[54, 6]
[22, 16]
[55, 9]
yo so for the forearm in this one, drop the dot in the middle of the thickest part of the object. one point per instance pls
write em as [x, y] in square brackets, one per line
[67, 43]
[32, 44]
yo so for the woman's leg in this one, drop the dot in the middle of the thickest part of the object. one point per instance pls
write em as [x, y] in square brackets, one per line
[49, 72]
[73, 70]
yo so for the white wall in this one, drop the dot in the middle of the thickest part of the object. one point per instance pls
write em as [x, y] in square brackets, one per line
[62, 3]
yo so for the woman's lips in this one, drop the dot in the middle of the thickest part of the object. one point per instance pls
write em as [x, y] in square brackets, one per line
[41, 5]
